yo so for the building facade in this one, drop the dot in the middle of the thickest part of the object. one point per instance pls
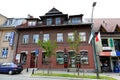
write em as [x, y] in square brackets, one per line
[108, 48]
[8, 39]
[54, 26]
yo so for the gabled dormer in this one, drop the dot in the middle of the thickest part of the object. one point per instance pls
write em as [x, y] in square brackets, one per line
[54, 17]
[102, 29]
[32, 21]
[117, 28]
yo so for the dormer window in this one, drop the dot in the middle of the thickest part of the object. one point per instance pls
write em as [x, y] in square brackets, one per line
[76, 20]
[31, 23]
[57, 21]
[49, 21]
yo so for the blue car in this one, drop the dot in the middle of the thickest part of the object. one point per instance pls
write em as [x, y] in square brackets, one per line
[10, 68]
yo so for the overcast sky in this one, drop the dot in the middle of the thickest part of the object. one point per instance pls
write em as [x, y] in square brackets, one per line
[21, 8]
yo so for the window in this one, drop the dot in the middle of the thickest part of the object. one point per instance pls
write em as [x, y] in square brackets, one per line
[71, 36]
[7, 36]
[31, 23]
[72, 58]
[59, 57]
[82, 36]
[58, 21]
[105, 42]
[117, 44]
[49, 21]
[59, 37]
[23, 58]
[45, 37]
[84, 57]
[35, 38]
[76, 20]
[4, 52]
[25, 39]
[44, 58]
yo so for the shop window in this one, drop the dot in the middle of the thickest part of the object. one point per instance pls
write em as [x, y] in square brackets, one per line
[35, 38]
[23, 58]
[4, 53]
[44, 58]
[84, 57]
[59, 57]
[59, 37]
[25, 39]
[105, 42]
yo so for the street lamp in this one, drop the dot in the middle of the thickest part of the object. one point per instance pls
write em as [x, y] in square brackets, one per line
[93, 42]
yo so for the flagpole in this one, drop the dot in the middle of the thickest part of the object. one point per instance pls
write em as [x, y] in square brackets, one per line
[93, 42]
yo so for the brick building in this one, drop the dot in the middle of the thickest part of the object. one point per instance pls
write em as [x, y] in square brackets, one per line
[54, 25]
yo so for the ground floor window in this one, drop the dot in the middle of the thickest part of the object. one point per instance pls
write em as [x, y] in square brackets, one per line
[44, 58]
[72, 58]
[23, 58]
[59, 57]
[84, 57]
[4, 52]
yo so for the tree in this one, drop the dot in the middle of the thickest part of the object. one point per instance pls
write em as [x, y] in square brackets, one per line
[49, 47]
[75, 43]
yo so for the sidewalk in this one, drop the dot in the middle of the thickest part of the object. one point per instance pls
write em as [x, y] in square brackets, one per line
[30, 70]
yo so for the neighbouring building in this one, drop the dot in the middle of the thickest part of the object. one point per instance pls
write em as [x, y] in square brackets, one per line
[8, 38]
[57, 26]
[108, 48]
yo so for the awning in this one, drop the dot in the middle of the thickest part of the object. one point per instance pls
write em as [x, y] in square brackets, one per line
[105, 54]
[117, 53]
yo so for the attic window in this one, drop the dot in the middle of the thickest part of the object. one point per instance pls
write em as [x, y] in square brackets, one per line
[75, 20]
[31, 23]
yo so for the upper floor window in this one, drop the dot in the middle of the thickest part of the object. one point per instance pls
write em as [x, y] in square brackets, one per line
[4, 52]
[7, 36]
[35, 38]
[58, 21]
[82, 36]
[25, 39]
[105, 42]
[59, 37]
[75, 20]
[31, 23]
[45, 37]
[71, 36]
[49, 21]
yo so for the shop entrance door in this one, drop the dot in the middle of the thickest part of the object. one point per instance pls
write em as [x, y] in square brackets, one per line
[32, 61]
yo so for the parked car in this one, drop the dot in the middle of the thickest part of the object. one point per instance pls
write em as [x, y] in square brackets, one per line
[10, 68]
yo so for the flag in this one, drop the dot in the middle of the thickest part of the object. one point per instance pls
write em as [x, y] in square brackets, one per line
[98, 38]
[90, 38]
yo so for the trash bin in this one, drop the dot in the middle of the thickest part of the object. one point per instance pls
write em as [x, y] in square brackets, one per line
[116, 69]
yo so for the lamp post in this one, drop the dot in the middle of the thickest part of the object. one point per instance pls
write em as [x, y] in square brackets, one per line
[93, 42]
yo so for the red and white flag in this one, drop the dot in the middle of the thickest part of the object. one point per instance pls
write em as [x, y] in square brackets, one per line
[98, 38]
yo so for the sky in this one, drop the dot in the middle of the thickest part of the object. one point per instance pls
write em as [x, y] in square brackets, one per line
[36, 8]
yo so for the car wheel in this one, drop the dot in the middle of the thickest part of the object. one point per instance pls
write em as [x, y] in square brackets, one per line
[10, 72]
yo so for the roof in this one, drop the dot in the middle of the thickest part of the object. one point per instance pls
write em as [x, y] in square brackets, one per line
[109, 24]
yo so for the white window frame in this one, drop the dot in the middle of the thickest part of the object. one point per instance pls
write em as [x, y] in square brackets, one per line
[82, 36]
[59, 37]
[58, 21]
[7, 36]
[25, 39]
[4, 54]
[46, 37]
[71, 36]
[31, 23]
[49, 21]
[35, 38]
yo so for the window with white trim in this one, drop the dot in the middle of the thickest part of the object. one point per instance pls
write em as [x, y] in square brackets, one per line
[4, 52]
[84, 57]
[82, 36]
[46, 37]
[59, 37]
[31, 23]
[7, 36]
[49, 21]
[25, 39]
[71, 36]
[35, 38]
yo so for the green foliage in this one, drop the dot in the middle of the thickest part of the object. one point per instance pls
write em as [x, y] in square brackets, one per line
[48, 46]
